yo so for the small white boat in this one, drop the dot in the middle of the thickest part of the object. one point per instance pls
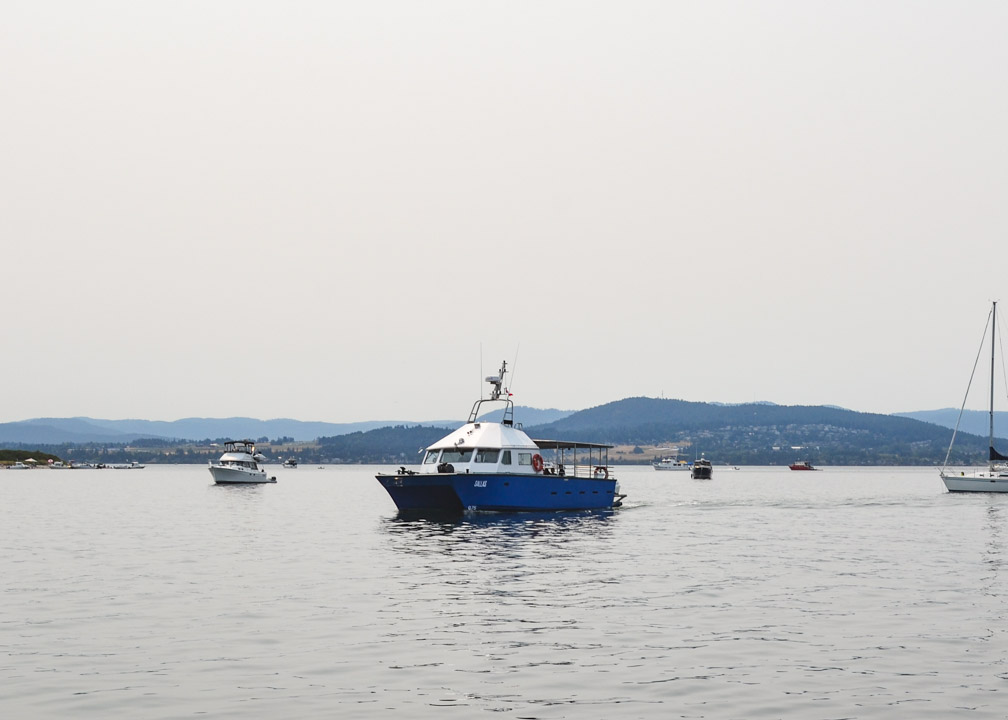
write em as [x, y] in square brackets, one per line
[290, 463]
[135, 465]
[672, 462]
[239, 465]
[19, 466]
[995, 477]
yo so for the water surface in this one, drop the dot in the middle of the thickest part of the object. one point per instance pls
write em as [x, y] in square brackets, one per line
[762, 593]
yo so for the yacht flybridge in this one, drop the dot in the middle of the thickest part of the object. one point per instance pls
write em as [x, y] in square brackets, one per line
[495, 466]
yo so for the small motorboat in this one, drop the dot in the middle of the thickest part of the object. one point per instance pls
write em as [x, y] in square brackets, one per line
[290, 463]
[239, 465]
[802, 465]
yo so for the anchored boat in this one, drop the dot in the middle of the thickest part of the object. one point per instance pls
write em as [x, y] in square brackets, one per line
[672, 462]
[702, 470]
[802, 465]
[494, 466]
[239, 465]
[995, 477]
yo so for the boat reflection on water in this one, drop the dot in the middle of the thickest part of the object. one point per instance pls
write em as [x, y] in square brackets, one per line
[418, 530]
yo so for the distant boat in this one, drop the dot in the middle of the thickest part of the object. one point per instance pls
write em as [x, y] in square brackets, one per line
[995, 477]
[702, 470]
[802, 465]
[672, 462]
[290, 463]
[20, 466]
[135, 465]
[494, 466]
[239, 465]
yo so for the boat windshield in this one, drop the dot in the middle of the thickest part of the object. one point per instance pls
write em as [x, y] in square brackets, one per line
[487, 456]
[456, 456]
[431, 457]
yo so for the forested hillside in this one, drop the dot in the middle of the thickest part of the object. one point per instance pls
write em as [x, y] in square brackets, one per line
[752, 434]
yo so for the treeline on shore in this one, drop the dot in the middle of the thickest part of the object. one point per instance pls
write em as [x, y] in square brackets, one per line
[9, 456]
[752, 434]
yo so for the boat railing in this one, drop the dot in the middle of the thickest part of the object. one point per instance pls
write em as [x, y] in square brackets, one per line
[585, 472]
[506, 419]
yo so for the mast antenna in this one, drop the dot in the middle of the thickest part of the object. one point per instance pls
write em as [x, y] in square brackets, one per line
[514, 364]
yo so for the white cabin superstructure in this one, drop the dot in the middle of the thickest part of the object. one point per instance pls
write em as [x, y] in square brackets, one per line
[487, 447]
[482, 447]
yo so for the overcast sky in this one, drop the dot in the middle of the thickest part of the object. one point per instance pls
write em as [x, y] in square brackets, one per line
[334, 211]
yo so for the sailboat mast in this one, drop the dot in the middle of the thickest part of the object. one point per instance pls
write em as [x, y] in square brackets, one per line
[993, 332]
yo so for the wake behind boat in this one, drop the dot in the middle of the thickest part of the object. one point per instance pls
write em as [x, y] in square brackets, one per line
[495, 466]
[995, 477]
[239, 465]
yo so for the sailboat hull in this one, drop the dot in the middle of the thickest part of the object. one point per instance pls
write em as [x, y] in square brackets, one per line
[991, 482]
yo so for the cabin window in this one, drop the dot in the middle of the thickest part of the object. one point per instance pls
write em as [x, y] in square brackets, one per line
[431, 457]
[486, 456]
[456, 456]
[506, 457]
[524, 458]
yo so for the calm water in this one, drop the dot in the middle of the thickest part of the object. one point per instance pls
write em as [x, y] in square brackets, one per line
[763, 593]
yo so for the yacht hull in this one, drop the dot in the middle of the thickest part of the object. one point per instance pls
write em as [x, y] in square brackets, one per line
[478, 492]
[978, 482]
[235, 476]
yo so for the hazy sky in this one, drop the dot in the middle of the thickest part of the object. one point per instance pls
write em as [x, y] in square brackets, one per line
[332, 211]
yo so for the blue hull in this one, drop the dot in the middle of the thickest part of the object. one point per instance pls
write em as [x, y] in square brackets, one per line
[458, 493]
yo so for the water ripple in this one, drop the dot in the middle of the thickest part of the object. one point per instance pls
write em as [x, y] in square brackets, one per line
[854, 594]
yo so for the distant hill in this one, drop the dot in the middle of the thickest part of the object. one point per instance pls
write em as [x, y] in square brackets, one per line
[750, 434]
[56, 431]
[527, 416]
[60, 431]
[53, 431]
[766, 434]
[973, 421]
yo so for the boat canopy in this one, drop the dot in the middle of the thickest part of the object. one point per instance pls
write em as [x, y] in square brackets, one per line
[569, 445]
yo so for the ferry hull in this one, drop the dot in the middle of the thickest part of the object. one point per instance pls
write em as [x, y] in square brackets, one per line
[471, 492]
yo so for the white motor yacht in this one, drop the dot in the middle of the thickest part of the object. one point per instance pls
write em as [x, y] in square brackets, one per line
[239, 465]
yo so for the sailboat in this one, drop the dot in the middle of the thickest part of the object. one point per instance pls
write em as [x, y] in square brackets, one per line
[995, 477]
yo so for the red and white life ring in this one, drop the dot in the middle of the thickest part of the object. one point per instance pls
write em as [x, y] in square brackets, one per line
[602, 472]
[537, 462]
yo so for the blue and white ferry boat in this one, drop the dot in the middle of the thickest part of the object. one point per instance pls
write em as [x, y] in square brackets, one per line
[495, 467]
